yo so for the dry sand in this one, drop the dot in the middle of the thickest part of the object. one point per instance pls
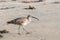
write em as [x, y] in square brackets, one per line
[48, 28]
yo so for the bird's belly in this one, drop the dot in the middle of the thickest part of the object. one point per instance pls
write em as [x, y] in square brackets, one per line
[26, 22]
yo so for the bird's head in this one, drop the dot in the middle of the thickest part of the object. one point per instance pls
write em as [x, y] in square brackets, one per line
[32, 17]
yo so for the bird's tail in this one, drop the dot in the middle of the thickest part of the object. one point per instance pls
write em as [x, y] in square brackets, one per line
[10, 22]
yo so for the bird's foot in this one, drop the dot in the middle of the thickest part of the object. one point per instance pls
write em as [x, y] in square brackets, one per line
[28, 33]
[18, 33]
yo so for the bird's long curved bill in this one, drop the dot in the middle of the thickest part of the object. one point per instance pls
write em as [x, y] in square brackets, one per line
[35, 17]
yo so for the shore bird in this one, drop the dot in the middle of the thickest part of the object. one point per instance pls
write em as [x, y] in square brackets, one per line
[22, 21]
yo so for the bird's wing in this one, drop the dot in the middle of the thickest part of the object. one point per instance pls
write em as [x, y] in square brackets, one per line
[20, 20]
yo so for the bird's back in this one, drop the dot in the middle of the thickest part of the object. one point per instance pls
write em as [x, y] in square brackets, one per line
[19, 21]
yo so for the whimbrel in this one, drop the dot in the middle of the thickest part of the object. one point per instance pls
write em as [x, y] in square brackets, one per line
[22, 21]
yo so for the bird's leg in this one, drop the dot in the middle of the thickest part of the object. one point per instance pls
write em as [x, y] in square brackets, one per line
[19, 30]
[25, 30]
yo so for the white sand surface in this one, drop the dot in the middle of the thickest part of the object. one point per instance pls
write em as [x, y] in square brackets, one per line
[48, 28]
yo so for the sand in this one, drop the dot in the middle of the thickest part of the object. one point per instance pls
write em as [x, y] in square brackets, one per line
[47, 28]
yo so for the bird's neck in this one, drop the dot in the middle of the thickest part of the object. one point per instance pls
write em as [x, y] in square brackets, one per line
[29, 18]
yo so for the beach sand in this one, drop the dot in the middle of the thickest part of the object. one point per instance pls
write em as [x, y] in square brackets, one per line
[47, 28]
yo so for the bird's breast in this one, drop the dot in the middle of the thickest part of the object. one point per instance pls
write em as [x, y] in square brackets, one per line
[26, 22]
